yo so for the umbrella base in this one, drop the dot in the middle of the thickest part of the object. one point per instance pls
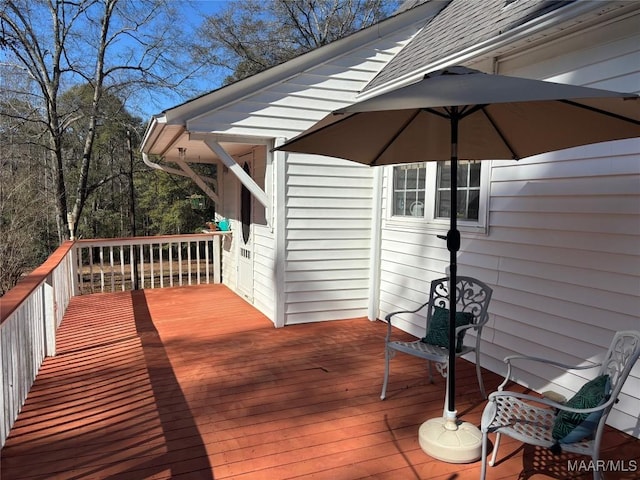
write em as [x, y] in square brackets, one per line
[460, 442]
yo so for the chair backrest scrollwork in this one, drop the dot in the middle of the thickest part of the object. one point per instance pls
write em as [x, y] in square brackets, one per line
[620, 358]
[472, 295]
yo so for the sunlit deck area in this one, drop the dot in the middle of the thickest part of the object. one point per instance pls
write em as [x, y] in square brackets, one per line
[194, 383]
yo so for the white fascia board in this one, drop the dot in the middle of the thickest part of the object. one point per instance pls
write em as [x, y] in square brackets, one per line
[152, 132]
[208, 102]
[525, 31]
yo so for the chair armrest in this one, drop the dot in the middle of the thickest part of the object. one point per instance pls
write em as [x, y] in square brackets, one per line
[388, 317]
[392, 314]
[509, 361]
[545, 401]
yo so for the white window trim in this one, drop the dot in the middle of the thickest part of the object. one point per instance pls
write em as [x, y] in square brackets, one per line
[431, 223]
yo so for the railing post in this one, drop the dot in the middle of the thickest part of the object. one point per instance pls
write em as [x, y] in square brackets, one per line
[217, 263]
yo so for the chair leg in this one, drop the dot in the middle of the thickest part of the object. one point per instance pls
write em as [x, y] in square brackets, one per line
[479, 374]
[387, 357]
[483, 468]
[494, 454]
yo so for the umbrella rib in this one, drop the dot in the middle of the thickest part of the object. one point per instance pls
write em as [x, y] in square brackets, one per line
[602, 112]
[393, 138]
[515, 156]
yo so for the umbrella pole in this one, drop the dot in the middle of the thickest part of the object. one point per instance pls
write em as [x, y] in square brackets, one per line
[453, 245]
[445, 438]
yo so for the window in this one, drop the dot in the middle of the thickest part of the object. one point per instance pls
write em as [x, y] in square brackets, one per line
[409, 190]
[468, 190]
[422, 191]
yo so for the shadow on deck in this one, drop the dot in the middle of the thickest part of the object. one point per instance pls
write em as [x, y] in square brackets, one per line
[192, 382]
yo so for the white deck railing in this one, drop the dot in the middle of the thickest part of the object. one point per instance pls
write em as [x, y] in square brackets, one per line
[31, 312]
[110, 265]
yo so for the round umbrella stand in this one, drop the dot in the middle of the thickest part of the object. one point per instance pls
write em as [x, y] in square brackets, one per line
[449, 440]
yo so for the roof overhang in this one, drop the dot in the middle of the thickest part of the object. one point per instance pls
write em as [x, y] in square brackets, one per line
[167, 131]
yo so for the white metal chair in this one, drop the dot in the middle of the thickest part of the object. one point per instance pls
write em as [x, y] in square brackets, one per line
[472, 301]
[532, 419]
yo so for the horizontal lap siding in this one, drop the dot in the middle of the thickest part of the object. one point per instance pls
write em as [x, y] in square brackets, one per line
[563, 245]
[263, 268]
[327, 201]
[328, 239]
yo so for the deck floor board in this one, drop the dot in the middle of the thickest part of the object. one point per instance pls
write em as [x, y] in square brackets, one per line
[194, 383]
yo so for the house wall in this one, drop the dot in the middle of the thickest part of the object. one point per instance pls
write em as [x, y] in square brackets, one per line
[562, 249]
[264, 286]
[328, 237]
[320, 239]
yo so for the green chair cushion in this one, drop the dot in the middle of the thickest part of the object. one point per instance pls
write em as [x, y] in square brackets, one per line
[438, 331]
[571, 427]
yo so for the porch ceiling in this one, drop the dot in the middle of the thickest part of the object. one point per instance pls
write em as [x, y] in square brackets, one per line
[167, 140]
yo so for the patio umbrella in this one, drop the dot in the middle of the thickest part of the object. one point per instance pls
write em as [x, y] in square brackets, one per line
[462, 114]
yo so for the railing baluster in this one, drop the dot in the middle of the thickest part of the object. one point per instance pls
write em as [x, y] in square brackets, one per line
[141, 266]
[198, 260]
[101, 257]
[91, 268]
[206, 258]
[180, 263]
[132, 259]
[113, 283]
[122, 275]
[170, 264]
[161, 267]
[152, 276]
[189, 260]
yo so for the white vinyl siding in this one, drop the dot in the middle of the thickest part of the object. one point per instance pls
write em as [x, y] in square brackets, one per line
[328, 236]
[563, 244]
[327, 202]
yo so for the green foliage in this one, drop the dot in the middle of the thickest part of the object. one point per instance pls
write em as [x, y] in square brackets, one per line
[163, 199]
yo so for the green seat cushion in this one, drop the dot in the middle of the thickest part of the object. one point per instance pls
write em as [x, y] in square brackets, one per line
[438, 331]
[571, 427]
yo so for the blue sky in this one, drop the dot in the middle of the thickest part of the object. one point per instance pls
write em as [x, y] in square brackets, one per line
[192, 13]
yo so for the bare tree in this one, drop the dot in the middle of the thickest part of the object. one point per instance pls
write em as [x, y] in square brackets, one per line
[246, 37]
[120, 47]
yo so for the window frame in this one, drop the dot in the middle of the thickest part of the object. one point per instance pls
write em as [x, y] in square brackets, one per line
[429, 221]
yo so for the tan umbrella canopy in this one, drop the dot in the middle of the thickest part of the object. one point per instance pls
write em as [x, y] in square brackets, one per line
[499, 117]
[462, 114]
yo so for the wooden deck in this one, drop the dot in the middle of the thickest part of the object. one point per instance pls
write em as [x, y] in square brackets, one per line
[193, 383]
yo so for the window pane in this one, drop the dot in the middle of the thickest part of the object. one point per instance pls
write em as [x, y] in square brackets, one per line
[408, 195]
[462, 204]
[474, 205]
[399, 178]
[444, 175]
[463, 172]
[399, 204]
[468, 195]
[474, 174]
[443, 203]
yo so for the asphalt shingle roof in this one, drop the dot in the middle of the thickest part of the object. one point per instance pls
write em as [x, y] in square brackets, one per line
[462, 24]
